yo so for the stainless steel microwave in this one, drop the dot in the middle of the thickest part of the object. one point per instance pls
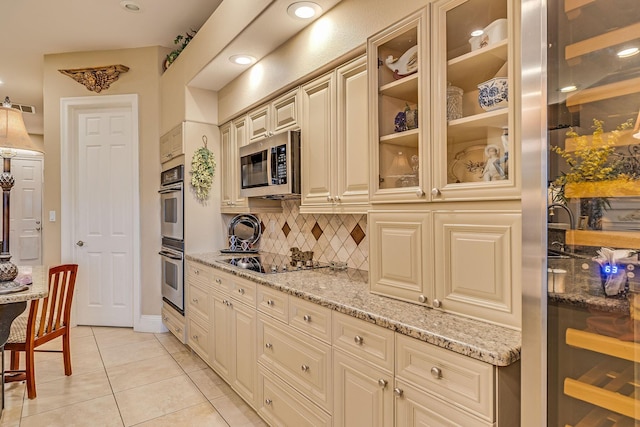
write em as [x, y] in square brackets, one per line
[270, 168]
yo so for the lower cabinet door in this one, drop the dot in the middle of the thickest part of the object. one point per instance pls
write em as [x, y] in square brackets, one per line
[363, 394]
[220, 351]
[281, 405]
[415, 407]
[243, 345]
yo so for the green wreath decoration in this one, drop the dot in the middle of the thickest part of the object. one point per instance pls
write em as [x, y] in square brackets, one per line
[203, 166]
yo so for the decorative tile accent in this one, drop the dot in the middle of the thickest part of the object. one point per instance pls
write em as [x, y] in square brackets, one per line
[357, 234]
[286, 229]
[330, 237]
[316, 231]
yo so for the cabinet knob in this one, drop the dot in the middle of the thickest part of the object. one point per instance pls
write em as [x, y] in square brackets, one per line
[398, 392]
[382, 382]
[195, 300]
[270, 302]
[304, 368]
[358, 340]
[329, 199]
[219, 281]
[307, 318]
[178, 330]
[268, 345]
[196, 271]
[435, 192]
[422, 299]
[195, 337]
[437, 303]
[336, 198]
[436, 372]
[241, 291]
[268, 401]
[165, 318]
[419, 193]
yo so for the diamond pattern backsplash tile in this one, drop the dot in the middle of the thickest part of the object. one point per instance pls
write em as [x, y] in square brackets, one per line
[330, 237]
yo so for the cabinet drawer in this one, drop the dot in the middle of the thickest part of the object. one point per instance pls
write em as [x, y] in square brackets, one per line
[457, 379]
[273, 302]
[174, 322]
[312, 318]
[243, 290]
[280, 405]
[198, 338]
[363, 339]
[199, 273]
[222, 282]
[300, 360]
[198, 301]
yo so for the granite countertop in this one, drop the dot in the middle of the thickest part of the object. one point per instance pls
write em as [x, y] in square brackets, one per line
[347, 291]
[38, 289]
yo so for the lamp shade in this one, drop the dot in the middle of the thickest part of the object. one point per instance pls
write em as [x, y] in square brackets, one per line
[13, 133]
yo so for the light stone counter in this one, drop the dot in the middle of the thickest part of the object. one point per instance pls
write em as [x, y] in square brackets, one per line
[348, 292]
[38, 289]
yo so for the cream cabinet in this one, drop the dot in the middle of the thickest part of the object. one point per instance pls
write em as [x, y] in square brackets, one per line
[233, 135]
[172, 143]
[401, 255]
[277, 116]
[474, 133]
[335, 142]
[197, 302]
[399, 114]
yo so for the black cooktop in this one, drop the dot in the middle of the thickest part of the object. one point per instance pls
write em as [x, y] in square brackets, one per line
[270, 263]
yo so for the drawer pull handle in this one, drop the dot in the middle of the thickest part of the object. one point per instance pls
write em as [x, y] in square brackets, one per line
[268, 401]
[219, 281]
[437, 303]
[241, 291]
[305, 368]
[398, 392]
[358, 340]
[307, 318]
[268, 345]
[382, 382]
[436, 372]
[270, 302]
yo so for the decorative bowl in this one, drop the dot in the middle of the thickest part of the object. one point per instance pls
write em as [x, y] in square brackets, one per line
[493, 94]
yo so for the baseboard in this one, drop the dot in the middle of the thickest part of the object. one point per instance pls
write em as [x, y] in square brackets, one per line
[150, 323]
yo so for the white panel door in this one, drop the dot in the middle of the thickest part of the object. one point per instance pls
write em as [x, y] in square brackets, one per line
[104, 209]
[26, 211]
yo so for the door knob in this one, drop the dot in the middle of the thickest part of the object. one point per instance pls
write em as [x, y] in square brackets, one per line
[80, 243]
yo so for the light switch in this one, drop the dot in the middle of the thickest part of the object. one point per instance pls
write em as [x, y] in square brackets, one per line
[52, 216]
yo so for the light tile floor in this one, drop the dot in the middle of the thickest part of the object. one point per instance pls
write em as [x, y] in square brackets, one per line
[125, 378]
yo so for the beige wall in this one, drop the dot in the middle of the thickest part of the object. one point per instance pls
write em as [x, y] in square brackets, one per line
[337, 34]
[141, 79]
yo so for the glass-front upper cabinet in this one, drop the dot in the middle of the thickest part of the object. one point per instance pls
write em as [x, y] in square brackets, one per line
[593, 280]
[398, 64]
[473, 103]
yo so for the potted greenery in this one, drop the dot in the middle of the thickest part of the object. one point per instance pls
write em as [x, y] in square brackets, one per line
[181, 41]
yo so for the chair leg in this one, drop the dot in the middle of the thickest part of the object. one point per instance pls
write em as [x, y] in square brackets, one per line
[15, 360]
[66, 352]
[31, 374]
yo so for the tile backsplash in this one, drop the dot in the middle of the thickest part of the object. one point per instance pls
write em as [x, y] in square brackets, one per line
[330, 237]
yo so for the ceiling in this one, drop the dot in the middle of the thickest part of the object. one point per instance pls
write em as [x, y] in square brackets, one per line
[34, 28]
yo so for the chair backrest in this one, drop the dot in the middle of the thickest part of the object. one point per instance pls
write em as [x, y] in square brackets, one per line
[49, 317]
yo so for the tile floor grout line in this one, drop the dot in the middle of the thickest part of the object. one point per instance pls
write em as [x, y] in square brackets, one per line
[93, 334]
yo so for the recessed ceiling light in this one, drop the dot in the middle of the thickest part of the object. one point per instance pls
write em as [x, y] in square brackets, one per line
[476, 33]
[569, 88]
[304, 10]
[242, 59]
[625, 53]
[130, 6]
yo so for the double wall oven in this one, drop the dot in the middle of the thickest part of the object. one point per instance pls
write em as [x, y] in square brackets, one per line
[172, 228]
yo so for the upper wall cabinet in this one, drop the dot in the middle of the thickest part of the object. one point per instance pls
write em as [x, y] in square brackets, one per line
[334, 141]
[475, 155]
[172, 144]
[232, 137]
[398, 63]
[275, 117]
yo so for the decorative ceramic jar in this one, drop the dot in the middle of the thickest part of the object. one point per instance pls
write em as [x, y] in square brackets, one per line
[493, 94]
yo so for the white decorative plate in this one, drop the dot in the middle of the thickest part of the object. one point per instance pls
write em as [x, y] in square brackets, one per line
[467, 165]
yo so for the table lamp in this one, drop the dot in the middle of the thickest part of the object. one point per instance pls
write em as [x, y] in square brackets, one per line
[13, 137]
